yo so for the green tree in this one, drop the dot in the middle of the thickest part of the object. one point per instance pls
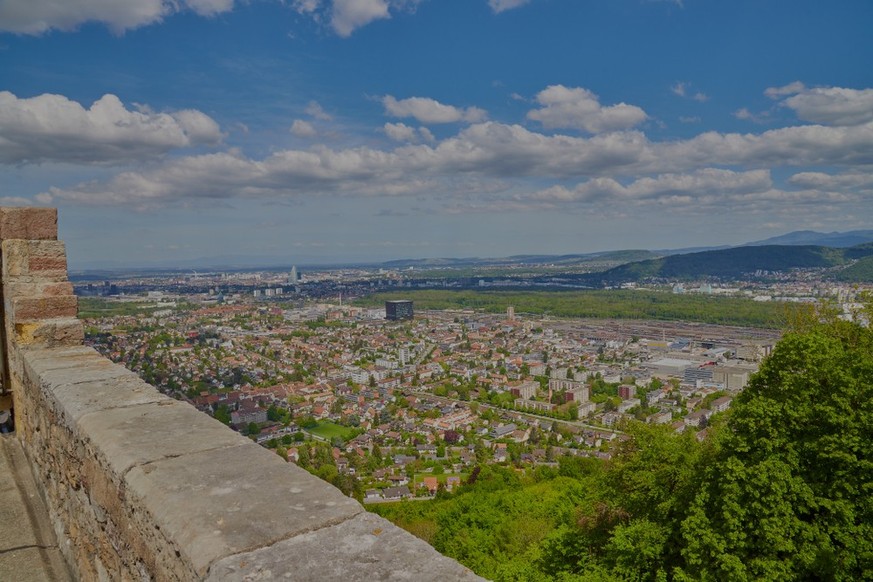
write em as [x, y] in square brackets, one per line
[789, 497]
[222, 414]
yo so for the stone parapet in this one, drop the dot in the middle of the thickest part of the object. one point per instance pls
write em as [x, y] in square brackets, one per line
[143, 487]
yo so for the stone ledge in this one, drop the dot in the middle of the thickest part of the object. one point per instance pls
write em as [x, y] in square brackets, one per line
[362, 549]
[83, 382]
[226, 501]
[146, 432]
[179, 495]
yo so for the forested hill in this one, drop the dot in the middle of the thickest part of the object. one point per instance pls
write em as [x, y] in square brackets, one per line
[733, 263]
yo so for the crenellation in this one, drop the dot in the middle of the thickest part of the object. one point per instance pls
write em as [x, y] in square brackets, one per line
[28, 223]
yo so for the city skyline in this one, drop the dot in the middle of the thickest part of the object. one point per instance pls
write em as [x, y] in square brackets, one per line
[325, 131]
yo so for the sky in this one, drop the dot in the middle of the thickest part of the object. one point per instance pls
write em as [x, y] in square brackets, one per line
[330, 131]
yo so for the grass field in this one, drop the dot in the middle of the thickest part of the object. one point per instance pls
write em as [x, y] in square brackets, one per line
[328, 430]
[616, 304]
[94, 307]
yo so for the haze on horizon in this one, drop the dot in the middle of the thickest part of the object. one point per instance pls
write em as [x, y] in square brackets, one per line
[335, 131]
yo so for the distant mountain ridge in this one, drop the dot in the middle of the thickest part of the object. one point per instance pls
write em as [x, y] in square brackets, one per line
[739, 261]
[823, 239]
[564, 260]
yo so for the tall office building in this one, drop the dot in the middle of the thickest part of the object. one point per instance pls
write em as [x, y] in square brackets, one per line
[292, 277]
[399, 309]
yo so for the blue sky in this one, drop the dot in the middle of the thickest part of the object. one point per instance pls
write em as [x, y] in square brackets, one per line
[348, 130]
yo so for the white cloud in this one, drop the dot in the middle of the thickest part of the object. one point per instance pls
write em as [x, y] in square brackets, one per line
[508, 160]
[833, 105]
[302, 128]
[37, 17]
[210, 7]
[426, 134]
[789, 89]
[699, 184]
[822, 181]
[400, 132]
[566, 107]
[306, 6]
[53, 128]
[689, 119]
[499, 6]
[404, 133]
[315, 110]
[745, 115]
[349, 15]
[683, 89]
[428, 110]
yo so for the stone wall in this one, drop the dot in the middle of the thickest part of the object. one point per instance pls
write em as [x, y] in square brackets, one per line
[140, 486]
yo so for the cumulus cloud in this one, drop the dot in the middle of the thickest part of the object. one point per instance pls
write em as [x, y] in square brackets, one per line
[683, 89]
[492, 152]
[53, 128]
[577, 108]
[427, 110]
[823, 181]
[306, 6]
[315, 110]
[302, 128]
[679, 88]
[509, 164]
[400, 132]
[349, 15]
[346, 16]
[499, 6]
[833, 105]
[697, 184]
[789, 89]
[404, 133]
[30, 17]
[745, 115]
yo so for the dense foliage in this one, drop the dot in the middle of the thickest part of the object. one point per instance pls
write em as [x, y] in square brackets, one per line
[859, 272]
[781, 488]
[613, 304]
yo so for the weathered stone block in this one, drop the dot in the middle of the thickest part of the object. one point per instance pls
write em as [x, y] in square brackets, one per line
[49, 333]
[17, 255]
[28, 223]
[86, 383]
[226, 501]
[37, 308]
[362, 549]
[37, 264]
[135, 435]
[37, 289]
